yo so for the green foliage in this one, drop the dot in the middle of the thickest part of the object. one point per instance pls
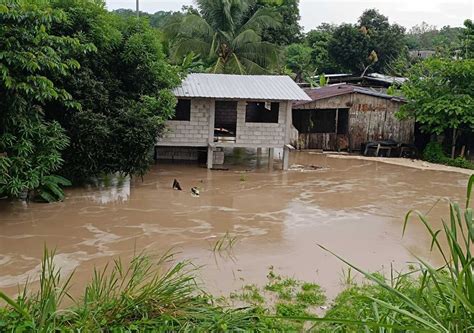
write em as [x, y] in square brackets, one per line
[385, 39]
[318, 40]
[123, 89]
[440, 95]
[143, 295]
[227, 38]
[373, 42]
[349, 48]
[289, 32]
[434, 152]
[33, 61]
[298, 60]
[468, 39]
[225, 243]
[50, 188]
[282, 301]
[311, 294]
[446, 41]
[250, 294]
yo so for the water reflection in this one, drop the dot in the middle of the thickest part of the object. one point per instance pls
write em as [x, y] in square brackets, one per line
[108, 189]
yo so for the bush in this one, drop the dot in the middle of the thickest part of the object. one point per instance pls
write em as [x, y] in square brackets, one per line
[434, 153]
[460, 163]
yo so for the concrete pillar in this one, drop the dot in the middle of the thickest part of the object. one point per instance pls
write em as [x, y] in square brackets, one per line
[259, 157]
[212, 114]
[270, 158]
[286, 158]
[210, 156]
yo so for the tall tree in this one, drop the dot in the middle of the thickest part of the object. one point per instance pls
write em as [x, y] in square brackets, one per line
[318, 40]
[372, 44]
[468, 39]
[123, 90]
[32, 61]
[385, 39]
[225, 38]
[298, 60]
[290, 31]
[349, 48]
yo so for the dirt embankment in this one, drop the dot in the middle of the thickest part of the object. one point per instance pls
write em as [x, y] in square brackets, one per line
[411, 163]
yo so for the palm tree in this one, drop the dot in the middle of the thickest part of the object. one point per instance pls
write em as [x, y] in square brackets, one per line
[227, 36]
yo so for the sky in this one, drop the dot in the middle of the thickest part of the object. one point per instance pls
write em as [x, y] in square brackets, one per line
[314, 12]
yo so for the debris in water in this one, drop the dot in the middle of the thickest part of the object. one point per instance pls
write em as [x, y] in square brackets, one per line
[311, 167]
[176, 185]
[195, 191]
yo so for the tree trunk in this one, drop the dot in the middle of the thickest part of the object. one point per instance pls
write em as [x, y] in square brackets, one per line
[453, 141]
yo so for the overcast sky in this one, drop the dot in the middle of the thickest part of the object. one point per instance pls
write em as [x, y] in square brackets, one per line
[314, 12]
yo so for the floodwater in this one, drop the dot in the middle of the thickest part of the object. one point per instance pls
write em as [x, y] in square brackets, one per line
[352, 207]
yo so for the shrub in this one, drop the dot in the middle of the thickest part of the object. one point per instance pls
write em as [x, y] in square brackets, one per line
[434, 153]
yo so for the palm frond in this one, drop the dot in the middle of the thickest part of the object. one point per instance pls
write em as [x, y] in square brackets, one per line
[262, 19]
[263, 53]
[218, 67]
[235, 66]
[252, 67]
[246, 36]
[186, 45]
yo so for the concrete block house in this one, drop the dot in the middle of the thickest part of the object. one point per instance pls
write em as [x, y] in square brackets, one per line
[344, 117]
[215, 111]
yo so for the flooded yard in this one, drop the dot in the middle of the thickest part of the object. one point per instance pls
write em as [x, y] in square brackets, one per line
[354, 207]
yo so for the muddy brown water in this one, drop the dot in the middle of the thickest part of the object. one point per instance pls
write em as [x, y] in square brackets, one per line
[355, 208]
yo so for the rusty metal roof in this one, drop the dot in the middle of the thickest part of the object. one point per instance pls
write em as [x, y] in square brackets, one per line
[248, 87]
[330, 91]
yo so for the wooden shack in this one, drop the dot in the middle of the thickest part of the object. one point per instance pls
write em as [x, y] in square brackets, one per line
[344, 117]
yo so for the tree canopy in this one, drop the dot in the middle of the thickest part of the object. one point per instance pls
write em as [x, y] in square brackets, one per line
[373, 42]
[289, 31]
[227, 39]
[440, 94]
[83, 92]
[33, 60]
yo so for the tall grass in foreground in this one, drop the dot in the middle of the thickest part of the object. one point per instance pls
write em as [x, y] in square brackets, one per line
[145, 296]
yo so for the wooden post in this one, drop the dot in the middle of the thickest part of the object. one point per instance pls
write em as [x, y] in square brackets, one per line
[453, 147]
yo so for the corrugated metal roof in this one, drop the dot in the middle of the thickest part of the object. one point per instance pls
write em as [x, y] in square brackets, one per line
[386, 78]
[342, 89]
[249, 87]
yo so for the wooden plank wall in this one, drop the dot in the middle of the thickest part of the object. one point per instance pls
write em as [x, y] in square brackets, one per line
[370, 118]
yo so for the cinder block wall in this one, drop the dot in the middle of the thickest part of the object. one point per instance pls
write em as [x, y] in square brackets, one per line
[196, 131]
[193, 132]
[261, 134]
